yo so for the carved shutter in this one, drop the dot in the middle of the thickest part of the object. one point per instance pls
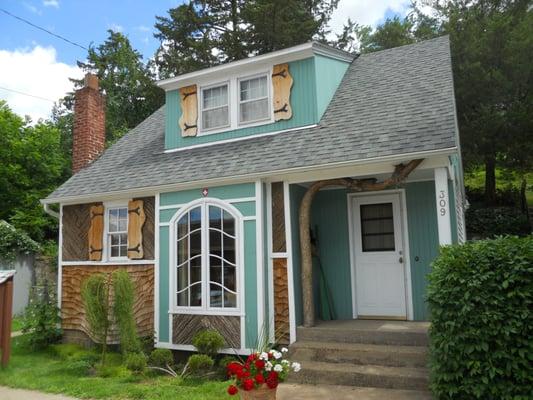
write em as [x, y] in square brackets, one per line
[282, 84]
[189, 111]
[96, 232]
[136, 218]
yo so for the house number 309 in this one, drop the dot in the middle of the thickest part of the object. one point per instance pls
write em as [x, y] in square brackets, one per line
[442, 203]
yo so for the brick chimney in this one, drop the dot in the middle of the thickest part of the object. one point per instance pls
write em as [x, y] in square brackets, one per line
[88, 139]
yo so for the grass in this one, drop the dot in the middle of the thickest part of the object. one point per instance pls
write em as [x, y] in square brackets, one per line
[58, 371]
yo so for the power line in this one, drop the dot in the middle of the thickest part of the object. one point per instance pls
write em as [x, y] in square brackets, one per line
[26, 94]
[43, 29]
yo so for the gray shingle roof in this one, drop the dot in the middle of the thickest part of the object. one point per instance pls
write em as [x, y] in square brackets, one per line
[391, 102]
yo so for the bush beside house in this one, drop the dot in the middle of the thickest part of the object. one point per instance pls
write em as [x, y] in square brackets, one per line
[481, 301]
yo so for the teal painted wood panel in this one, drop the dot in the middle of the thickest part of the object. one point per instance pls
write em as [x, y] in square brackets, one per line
[220, 192]
[423, 240]
[329, 74]
[250, 283]
[166, 215]
[163, 284]
[303, 102]
[246, 208]
[296, 194]
[329, 221]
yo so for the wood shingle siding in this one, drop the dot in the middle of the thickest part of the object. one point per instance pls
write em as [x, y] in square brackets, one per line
[185, 326]
[76, 222]
[281, 301]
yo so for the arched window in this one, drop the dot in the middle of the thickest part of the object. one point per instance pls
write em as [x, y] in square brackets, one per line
[206, 257]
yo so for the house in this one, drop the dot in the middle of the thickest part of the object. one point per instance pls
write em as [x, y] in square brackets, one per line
[200, 202]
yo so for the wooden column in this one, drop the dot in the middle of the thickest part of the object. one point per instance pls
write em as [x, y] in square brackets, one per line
[6, 305]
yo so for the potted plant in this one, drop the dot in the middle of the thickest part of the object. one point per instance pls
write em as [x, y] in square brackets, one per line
[258, 377]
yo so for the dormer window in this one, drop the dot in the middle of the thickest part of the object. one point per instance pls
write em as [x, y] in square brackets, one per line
[254, 104]
[215, 109]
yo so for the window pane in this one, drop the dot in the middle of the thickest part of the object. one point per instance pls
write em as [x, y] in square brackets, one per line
[183, 277]
[113, 220]
[196, 243]
[196, 218]
[215, 97]
[123, 251]
[215, 118]
[230, 277]
[183, 298]
[183, 250]
[196, 295]
[215, 243]
[229, 249]
[123, 213]
[230, 299]
[254, 88]
[229, 224]
[183, 226]
[377, 227]
[115, 252]
[123, 238]
[215, 216]
[115, 240]
[254, 110]
[215, 296]
[196, 269]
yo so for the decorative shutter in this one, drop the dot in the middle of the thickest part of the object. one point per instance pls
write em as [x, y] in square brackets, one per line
[189, 111]
[136, 218]
[96, 232]
[282, 84]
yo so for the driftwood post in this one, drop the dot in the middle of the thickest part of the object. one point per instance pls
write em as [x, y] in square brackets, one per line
[401, 172]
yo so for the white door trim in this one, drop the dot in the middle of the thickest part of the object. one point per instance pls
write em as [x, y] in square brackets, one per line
[405, 241]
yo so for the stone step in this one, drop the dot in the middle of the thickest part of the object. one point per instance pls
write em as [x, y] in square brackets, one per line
[352, 334]
[405, 378]
[359, 354]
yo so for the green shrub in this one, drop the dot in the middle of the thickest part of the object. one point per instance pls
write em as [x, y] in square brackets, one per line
[123, 310]
[14, 241]
[199, 363]
[208, 342]
[112, 371]
[481, 301]
[95, 296]
[41, 322]
[161, 358]
[486, 223]
[136, 362]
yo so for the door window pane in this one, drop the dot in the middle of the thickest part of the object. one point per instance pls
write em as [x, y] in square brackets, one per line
[377, 227]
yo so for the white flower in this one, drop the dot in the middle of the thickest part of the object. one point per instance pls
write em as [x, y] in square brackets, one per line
[277, 355]
[285, 362]
[268, 366]
[263, 356]
[278, 368]
[284, 350]
[296, 366]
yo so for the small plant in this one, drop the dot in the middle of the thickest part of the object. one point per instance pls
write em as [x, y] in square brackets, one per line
[161, 358]
[41, 320]
[95, 296]
[261, 370]
[208, 342]
[123, 310]
[136, 362]
[198, 363]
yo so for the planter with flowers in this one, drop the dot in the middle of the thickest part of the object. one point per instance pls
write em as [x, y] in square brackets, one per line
[258, 377]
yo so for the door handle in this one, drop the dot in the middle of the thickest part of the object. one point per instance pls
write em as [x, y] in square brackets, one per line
[400, 260]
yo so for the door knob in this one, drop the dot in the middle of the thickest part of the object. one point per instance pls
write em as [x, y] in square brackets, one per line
[401, 260]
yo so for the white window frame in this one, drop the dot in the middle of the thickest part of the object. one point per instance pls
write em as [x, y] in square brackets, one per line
[268, 98]
[107, 235]
[234, 100]
[202, 109]
[205, 308]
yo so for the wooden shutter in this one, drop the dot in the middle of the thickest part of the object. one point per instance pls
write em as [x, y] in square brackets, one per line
[282, 84]
[136, 219]
[189, 111]
[96, 232]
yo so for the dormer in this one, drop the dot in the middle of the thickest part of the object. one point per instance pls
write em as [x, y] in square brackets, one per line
[283, 90]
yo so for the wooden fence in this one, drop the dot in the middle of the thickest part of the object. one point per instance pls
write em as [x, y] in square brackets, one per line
[6, 304]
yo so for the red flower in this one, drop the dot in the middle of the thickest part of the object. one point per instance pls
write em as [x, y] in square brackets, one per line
[259, 364]
[272, 375]
[259, 379]
[272, 380]
[248, 384]
[252, 357]
[232, 389]
[270, 356]
[234, 368]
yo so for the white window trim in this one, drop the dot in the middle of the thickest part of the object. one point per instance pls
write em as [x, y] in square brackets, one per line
[205, 308]
[268, 98]
[234, 101]
[201, 107]
[106, 255]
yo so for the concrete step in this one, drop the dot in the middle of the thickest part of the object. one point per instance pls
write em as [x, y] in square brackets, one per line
[403, 378]
[359, 354]
[294, 391]
[354, 334]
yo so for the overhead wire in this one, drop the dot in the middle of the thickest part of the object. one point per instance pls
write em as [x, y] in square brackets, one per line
[26, 94]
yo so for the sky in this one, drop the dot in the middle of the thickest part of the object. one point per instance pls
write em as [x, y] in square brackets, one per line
[36, 63]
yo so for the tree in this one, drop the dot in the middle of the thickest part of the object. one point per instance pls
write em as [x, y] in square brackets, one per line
[204, 33]
[131, 94]
[31, 166]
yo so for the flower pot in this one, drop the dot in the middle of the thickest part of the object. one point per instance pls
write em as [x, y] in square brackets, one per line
[262, 393]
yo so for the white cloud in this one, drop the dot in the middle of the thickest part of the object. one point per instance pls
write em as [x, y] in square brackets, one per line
[37, 72]
[143, 28]
[116, 27]
[51, 3]
[365, 12]
[32, 8]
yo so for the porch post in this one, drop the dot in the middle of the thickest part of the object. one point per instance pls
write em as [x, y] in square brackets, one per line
[443, 206]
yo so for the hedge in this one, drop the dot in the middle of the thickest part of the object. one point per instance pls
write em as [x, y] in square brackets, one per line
[480, 296]
[486, 223]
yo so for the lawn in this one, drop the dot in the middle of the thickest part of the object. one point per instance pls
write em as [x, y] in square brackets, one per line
[50, 371]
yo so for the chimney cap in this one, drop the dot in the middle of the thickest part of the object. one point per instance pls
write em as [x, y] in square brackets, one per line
[91, 81]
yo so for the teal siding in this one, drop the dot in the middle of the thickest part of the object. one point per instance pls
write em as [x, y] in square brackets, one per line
[329, 74]
[296, 194]
[220, 192]
[329, 219]
[163, 284]
[423, 240]
[250, 283]
[303, 102]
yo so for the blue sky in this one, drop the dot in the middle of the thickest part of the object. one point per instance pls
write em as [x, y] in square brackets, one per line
[34, 62]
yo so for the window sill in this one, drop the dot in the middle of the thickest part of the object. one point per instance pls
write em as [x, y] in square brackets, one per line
[228, 313]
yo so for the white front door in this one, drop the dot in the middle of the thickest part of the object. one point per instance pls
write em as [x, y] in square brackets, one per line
[378, 255]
